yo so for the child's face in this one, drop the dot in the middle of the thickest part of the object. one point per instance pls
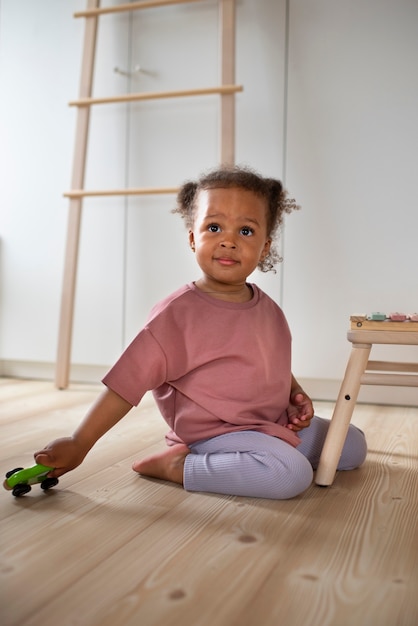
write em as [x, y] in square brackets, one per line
[229, 235]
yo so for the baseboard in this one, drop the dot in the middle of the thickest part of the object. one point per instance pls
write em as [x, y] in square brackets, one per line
[320, 389]
[90, 374]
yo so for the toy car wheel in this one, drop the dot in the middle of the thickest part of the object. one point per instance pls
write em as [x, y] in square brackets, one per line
[48, 483]
[17, 469]
[21, 489]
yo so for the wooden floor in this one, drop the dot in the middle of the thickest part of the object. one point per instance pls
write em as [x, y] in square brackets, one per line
[107, 547]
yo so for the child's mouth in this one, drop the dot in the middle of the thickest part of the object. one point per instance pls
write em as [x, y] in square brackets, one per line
[226, 261]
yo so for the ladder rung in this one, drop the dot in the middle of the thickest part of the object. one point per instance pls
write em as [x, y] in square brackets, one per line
[130, 7]
[145, 191]
[131, 97]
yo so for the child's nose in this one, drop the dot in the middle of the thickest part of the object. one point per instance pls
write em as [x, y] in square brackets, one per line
[228, 242]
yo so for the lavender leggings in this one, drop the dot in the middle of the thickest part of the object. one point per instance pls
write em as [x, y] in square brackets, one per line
[249, 463]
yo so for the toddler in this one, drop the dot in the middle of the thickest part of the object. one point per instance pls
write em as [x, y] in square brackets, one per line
[217, 356]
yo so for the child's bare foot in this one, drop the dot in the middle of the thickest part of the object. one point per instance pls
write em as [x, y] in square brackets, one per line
[167, 465]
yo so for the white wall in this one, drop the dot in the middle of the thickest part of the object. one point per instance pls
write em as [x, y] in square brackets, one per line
[353, 162]
[350, 136]
[127, 245]
[39, 65]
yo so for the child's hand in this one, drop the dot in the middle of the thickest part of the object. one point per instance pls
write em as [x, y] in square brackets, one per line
[300, 411]
[62, 454]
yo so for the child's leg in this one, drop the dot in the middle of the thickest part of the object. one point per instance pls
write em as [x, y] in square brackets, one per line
[247, 463]
[313, 438]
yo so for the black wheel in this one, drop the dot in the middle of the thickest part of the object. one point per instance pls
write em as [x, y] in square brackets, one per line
[20, 489]
[17, 469]
[47, 483]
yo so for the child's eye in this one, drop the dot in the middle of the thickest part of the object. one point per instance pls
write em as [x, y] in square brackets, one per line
[214, 228]
[247, 231]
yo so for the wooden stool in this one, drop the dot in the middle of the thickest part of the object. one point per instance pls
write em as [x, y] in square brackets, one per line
[363, 334]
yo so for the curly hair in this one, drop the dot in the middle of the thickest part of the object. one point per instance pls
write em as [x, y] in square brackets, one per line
[270, 189]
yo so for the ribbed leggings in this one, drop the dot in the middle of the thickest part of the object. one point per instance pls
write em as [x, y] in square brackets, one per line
[249, 463]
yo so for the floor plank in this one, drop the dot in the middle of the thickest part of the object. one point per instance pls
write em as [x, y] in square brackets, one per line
[107, 547]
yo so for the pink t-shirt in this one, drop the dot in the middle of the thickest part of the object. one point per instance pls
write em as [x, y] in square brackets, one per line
[214, 367]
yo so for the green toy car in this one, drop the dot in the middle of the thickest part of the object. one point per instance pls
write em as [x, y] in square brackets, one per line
[19, 480]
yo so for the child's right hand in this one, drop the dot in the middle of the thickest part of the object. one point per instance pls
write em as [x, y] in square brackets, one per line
[62, 454]
[67, 453]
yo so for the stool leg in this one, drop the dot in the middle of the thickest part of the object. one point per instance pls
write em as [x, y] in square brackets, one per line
[341, 417]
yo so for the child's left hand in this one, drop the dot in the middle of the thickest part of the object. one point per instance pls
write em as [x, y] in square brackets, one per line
[300, 411]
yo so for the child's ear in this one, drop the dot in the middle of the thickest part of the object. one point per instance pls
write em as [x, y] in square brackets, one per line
[266, 249]
[191, 240]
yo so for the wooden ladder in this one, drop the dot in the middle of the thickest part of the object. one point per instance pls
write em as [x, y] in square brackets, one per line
[226, 90]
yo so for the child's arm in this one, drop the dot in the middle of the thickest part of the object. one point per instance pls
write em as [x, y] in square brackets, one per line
[67, 453]
[300, 409]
